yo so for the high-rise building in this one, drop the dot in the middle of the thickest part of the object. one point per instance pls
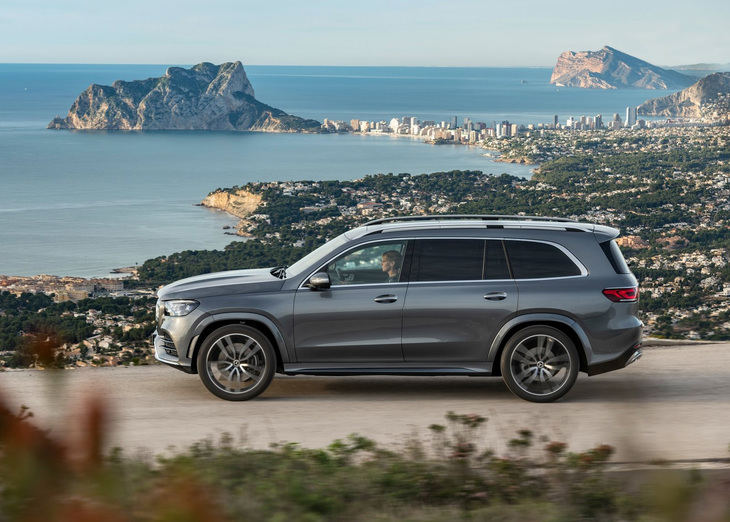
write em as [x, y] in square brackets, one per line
[599, 121]
[630, 116]
[505, 128]
[555, 121]
[454, 122]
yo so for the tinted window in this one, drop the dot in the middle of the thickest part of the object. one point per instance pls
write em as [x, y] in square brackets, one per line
[614, 255]
[448, 259]
[372, 263]
[530, 260]
[495, 263]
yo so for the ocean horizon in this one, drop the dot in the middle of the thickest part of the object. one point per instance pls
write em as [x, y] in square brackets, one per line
[83, 203]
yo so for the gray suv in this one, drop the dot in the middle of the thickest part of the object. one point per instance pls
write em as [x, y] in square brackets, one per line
[533, 299]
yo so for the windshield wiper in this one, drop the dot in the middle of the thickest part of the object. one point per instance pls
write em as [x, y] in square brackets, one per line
[279, 271]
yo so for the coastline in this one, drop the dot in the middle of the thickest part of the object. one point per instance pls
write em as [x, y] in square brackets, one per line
[491, 154]
[521, 160]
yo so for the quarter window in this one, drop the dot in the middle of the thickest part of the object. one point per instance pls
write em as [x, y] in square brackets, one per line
[532, 260]
[369, 264]
[448, 260]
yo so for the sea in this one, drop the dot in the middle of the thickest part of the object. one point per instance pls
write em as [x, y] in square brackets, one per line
[84, 203]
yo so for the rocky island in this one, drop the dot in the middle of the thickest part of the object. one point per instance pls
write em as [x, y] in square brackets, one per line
[609, 68]
[708, 98]
[204, 97]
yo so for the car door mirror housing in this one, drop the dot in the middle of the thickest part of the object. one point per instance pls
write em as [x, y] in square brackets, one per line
[319, 281]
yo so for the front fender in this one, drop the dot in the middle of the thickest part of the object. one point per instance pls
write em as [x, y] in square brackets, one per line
[228, 317]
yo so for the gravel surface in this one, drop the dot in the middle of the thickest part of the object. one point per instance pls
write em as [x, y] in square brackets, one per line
[674, 403]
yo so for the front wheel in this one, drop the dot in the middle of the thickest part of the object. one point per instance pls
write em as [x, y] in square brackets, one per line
[236, 362]
[540, 364]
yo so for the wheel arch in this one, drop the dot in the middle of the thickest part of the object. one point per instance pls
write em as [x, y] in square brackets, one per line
[565, 324]
[260, 322]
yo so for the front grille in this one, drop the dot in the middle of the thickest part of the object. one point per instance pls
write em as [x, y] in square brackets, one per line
[168, 345]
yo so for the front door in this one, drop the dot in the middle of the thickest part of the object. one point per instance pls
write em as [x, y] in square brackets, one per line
[459, 295]
[360, 317]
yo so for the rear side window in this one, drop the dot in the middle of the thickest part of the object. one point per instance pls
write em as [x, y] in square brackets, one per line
[532, 260]
[615, 257]
[448, 260]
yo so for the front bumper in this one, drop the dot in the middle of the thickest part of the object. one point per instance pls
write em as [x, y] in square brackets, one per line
[630, 356]
[164, 354]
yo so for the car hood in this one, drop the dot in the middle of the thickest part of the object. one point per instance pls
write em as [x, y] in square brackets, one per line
[222, 283]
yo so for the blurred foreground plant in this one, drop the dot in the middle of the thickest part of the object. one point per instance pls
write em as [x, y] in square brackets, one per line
[45, 478]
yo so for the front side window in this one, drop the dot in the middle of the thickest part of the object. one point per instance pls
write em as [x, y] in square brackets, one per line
[369, 264]
[533, 260]
[448, 260]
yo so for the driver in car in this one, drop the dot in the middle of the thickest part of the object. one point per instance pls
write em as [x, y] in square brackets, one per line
[391, 263]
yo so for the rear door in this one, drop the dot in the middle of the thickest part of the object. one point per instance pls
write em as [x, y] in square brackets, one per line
[459, 294]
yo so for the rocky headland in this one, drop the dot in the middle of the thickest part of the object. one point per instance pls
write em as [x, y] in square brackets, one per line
[609, 68]
[708, 98]
[204, 97]
[239, 203]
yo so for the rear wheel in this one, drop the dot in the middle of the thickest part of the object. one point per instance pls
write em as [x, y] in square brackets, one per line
[236, 362]
[540, 364]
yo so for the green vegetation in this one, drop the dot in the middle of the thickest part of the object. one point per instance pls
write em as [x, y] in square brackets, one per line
[450, 476]
[237, 255]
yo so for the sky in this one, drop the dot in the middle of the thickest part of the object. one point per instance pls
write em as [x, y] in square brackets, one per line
[456, 33]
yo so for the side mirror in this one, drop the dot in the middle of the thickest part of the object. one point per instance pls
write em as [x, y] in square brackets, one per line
[319, 281]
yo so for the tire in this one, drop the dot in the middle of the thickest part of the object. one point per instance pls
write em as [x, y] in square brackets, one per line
[236, 362]
[540, 364]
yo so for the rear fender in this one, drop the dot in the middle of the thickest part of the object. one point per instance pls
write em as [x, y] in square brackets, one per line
[532, 318]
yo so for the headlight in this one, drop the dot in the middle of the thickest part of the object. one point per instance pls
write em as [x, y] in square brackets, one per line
[180, 307]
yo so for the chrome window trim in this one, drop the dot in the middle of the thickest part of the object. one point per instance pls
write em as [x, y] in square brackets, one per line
[583, 270]
[358, 285]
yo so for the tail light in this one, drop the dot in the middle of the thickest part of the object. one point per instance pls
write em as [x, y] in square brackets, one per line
[622, 295]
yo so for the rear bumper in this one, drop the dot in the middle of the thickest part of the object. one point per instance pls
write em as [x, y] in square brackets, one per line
[629, 356]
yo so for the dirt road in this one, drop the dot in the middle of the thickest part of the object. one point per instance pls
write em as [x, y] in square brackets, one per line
[673, 404]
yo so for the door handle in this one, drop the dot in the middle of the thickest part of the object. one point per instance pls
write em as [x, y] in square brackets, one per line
[496, 296]
[387, 298]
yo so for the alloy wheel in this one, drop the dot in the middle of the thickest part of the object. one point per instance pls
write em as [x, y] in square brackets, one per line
[540, 364]
[236, 363]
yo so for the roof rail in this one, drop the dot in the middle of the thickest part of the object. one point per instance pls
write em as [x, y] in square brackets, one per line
[484, 217]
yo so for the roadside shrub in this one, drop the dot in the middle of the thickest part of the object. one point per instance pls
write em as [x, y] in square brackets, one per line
[44, 478]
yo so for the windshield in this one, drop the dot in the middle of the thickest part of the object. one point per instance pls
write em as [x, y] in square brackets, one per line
[316, 255]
